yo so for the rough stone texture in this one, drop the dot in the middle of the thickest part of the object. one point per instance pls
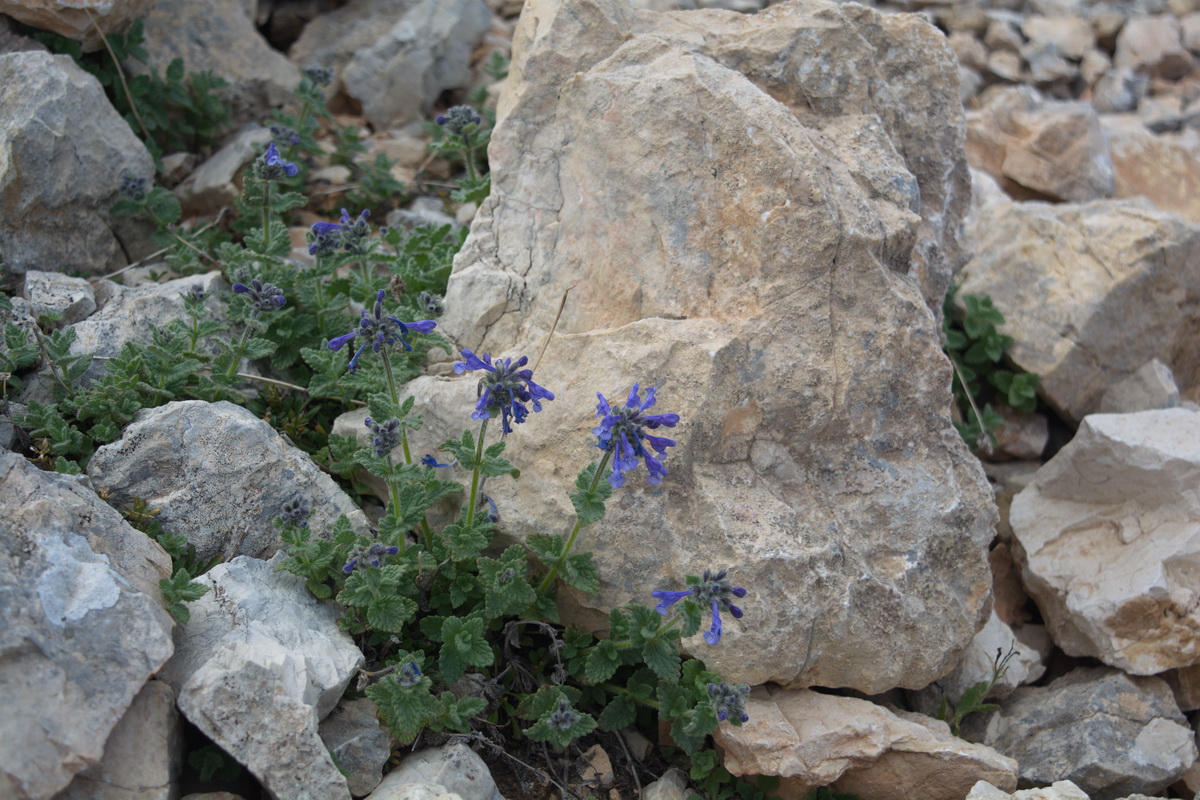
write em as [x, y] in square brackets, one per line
[1071, 36]
[84, 625]
[214, 185]
[1185, 683]
[218, 36]
[52, 292]
[1038, 149]
[395, 58]
[1109, 544]
[455, 767]
[1090, 293]
[1142, 161]
[1105, 731]
[994, 641]
[812, 739]
[412, 791]
[258, 665]
[1022, 435]
[63, 150]
[735, 272]
[1059, 790]
[222, 497]
[359, 742]
[143, 754]
[78, 19]
[1153, 45]
[671, 786]
[1152, 386]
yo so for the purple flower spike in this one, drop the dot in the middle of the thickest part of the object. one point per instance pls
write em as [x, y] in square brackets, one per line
[379, 331]
[430, 461]
[667, 599]
[713, 634]
[271, 167]
[713, 590]
[622, 431]
[505, 388]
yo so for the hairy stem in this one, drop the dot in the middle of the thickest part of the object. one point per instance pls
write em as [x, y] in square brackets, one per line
[548, 580]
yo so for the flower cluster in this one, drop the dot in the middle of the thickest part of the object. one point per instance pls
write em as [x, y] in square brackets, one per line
[505, 388]
[457, 118]
[715, 590]
[296, 511]
[287, 134]
[369, 557]
[132, 185]
[729, 700]
[263, 296]
[563, 717]
[409, 675]
[378, 331]
[194, 293]
[431, 303]
[622, 431]
[387, 435]
[350, 234]
[321, 76]
[270, 167]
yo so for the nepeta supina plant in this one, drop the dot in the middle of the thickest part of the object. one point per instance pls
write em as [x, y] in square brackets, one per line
[712, 590]
[622, 434]
[264, 298]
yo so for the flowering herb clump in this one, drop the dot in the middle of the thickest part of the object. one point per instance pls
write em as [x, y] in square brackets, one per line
[713, 589]
[350, 234]
[378, 331]
[369, 557]
[387, 435]
[622, 432]
[457, 119]
[729, 701]
[505, 388]
[263, 296]
[271, 167]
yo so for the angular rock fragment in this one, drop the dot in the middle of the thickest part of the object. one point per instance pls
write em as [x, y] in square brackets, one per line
[811, 740]
[82, 20]
[359, 742]
[259, 664]
[455, 767]
[1109, 544]
[84, 625]
[1107, 732]
[181, 459]
[71, 299]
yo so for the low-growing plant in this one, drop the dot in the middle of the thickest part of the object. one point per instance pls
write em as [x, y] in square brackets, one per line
[974, 699]
[976, 349]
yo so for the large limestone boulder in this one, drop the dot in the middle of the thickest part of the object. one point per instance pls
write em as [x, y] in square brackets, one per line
[63, 151]
[258, 665]
[1108, 540]
[811, 740]
[1090, 293]
[757, 261]
[84, 626]
[82, 20]
[218, 475]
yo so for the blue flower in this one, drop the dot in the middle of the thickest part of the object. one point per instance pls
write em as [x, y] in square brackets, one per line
[430, 461]
[387, 435]
[409, 675]
[505, 388]
[457, 119]
[369, 557]
[349, 234]
[321, 76]
[270, 167]
[729, 700]
[715, 590]
[296, 511]
[264, 296]
[622, 431]
[378, 331]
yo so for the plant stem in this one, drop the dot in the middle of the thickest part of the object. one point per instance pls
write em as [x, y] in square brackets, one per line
[475, 472]
[266, 217]
[394, 491]
[562, 559]
[241, 348]
[394, 391]
[120, 75]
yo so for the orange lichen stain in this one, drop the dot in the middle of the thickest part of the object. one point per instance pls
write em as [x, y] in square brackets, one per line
[741, 421]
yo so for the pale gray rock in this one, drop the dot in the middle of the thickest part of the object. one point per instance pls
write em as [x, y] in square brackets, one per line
[1004, 35]
[1046, 64]
[413, 791]
[1141, 159]
[1119, 90]
[1151, 386]
[671, 786]
[1107, 540]
[81, 20]
[258, 665]
[143, 755]
[84, 626]
[72, 299]
[359, 742]
[395, 58]
[1070, 36]
[1059, 790]
[221, 497]
[1153, 46]
[816, 457]
[63, 151]
[216, 35]
[1040, 149]
[1074, 284]
[811, 739]
[455, 767]
[1108, 733]
[214, 185]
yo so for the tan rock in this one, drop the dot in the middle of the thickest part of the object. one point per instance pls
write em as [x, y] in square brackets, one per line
[1003, 35]
[216, 183]
[1071, 36]
[1185, 684]
[1074, 284]
[709, 276]
[1023, 435]
[81, 20]
[1142, 160]
[1108, 541]
[1189, 28]
[1041, 149]
[1059, 790]
[1009, 598]
[1154, 46]
[811, 739]
[970, 51]
[1152, 386]
[1005, 64]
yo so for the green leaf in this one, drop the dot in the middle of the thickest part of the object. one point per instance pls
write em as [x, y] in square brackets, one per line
[406, 710]
[661, 655]
[390, 613]
[561, 725]
[180, 589]
[457, 712]
[463, 644]
[546, 548]
[620, 713]
[468, 540]
[506, 589]
[602, 662]
[259, 348]
[588, 502]
[579, 571]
